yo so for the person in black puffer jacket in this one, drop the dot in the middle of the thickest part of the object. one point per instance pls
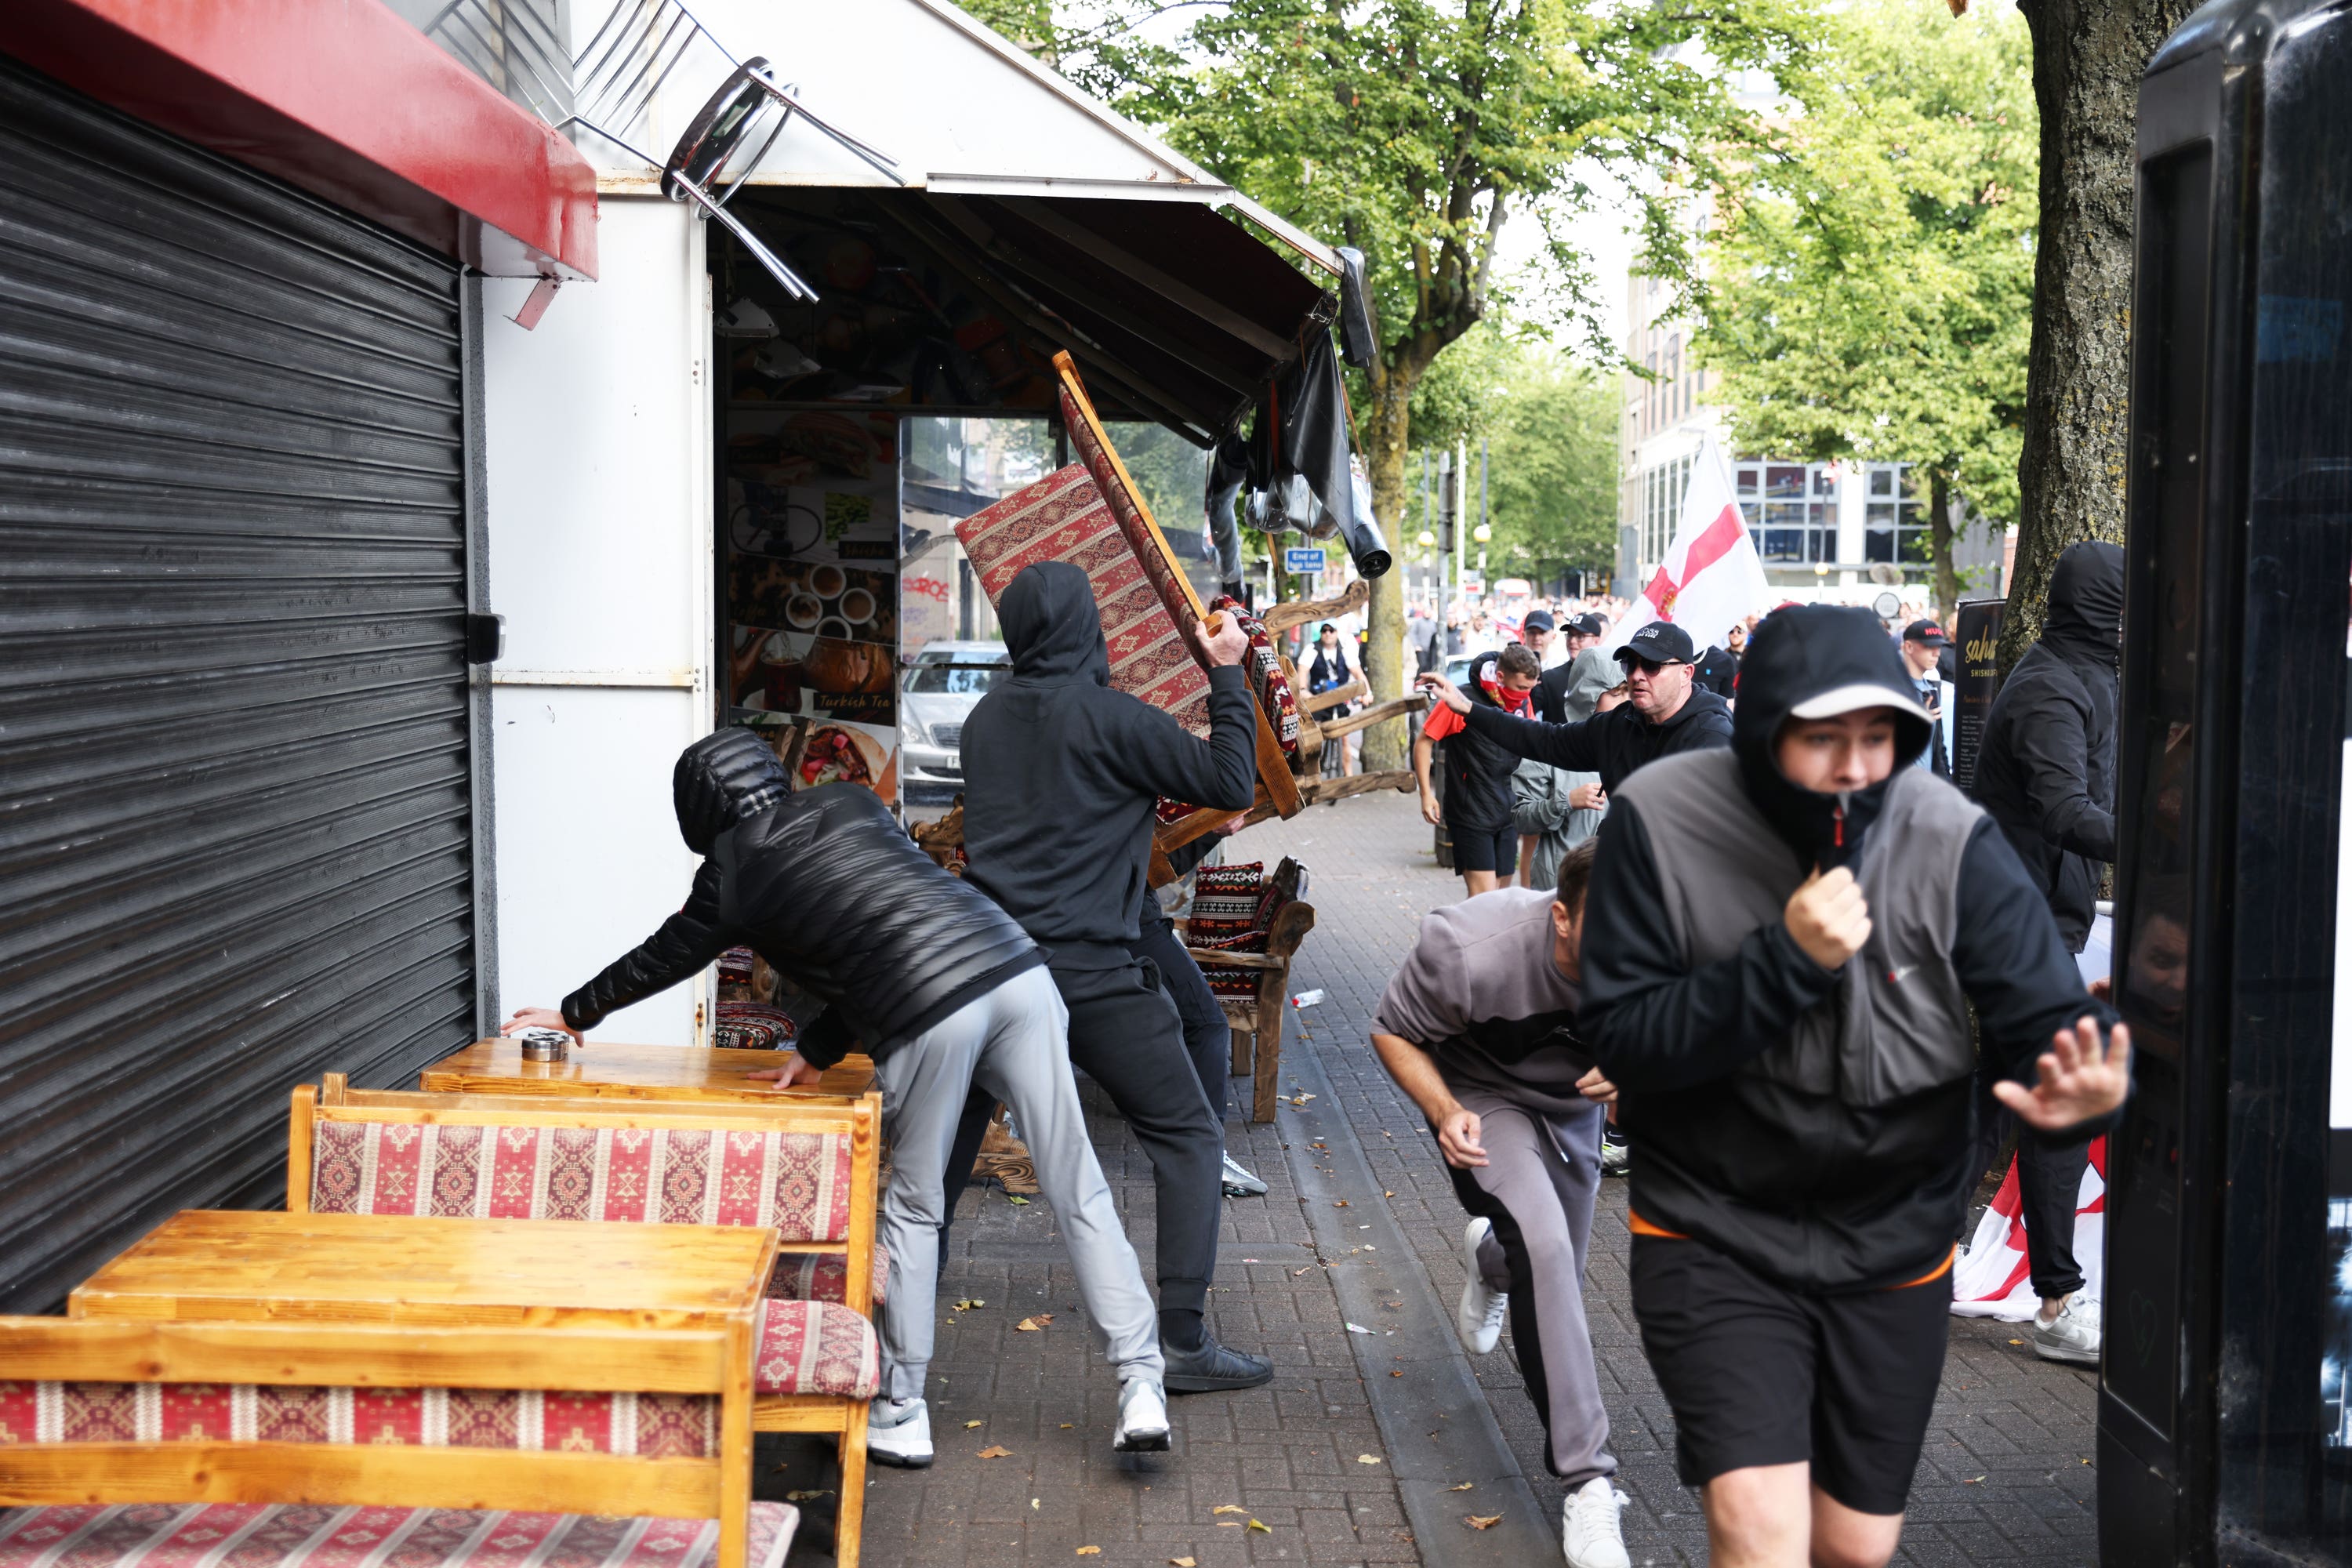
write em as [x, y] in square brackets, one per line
[944, 990]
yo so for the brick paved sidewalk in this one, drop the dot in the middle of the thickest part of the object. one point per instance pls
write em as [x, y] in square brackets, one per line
[2005, 1478]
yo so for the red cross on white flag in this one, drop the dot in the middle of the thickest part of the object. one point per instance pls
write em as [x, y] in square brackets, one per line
[1711, 576]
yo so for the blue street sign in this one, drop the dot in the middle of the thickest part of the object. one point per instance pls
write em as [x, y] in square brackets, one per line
[1303, 559]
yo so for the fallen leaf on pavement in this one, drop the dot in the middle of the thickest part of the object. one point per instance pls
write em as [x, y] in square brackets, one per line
[1228, 1508]
[1396, 1374]
[1368, 1459]
[1065, 1425]
[1972, 1481]
[1033, 1502]
[805, 1496]
[1089, 1551]
[1028, 1326]
[1341, 1204]
[1256, 1525]
[1013, 1198]
[970, 1425]
[1481, 1520]
[1180, 1563]
[1465, 1487]
[996, 1451]
[1296, 1272]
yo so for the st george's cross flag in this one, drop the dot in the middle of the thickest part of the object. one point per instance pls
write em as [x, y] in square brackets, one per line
[1710, 577]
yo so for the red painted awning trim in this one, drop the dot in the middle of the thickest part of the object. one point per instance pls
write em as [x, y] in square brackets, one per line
[342, 98]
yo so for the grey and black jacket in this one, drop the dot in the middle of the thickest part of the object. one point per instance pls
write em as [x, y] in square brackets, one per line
[826, 887]
[1814, 1124]
[1611, 744]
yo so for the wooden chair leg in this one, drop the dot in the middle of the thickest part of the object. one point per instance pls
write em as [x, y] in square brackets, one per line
[1272, 998]
[1240, 1048]
[849, 1519]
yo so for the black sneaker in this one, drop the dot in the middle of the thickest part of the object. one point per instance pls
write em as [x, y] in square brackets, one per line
[1213, 1369]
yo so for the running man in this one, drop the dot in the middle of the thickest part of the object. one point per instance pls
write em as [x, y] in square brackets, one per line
[945, 991]
[1479, 1029]
[1781, 949]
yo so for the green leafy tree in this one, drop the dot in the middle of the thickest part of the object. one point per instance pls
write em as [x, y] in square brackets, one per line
[1873, 289]
[1417, 131]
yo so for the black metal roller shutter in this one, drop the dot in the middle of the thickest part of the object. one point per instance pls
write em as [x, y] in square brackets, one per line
[236, 808]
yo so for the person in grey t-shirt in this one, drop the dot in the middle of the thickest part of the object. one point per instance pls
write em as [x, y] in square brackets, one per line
[1479, 1027]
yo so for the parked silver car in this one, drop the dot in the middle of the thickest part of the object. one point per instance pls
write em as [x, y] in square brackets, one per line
[941, 683]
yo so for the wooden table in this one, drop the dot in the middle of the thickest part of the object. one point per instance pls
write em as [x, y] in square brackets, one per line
[633, 1073]
[205, 1264]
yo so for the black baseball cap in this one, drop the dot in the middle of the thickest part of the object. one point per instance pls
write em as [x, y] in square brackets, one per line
[1587, 625]
[1928, 632]
[1660, 642]
[1537, 621]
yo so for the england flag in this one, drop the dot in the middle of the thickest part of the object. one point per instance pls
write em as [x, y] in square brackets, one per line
[1711, 577]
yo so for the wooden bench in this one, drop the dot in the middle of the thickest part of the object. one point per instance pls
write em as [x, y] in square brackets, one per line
[596, 1447]
[806, 1167]
[1264, 965]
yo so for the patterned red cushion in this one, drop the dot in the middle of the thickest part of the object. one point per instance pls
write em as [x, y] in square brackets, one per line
[1224, 902]
[796, 1181]
[1273, 693]
[316, 1535]
[816, 1347]
[1226, 980]
[682, 1426]
[753, 1027]
[825, 1276]
[1064, 517]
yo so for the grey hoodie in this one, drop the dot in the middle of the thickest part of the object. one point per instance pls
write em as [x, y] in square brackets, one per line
[1542, 791]
[1061, 774]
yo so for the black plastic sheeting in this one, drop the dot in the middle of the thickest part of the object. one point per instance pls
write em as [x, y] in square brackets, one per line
[236, 809]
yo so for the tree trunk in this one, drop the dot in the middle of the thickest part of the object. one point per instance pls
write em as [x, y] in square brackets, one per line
[2087, 59]
[1390, 430]
[1940, 546]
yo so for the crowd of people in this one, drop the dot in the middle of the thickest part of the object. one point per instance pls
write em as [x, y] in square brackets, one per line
[1721, 897]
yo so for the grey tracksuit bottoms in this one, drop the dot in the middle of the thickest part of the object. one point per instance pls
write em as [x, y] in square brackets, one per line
[1010, 1043]
[1538, 1187]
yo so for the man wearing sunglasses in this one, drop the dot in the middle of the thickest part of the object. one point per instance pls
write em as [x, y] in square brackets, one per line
[1662, 714]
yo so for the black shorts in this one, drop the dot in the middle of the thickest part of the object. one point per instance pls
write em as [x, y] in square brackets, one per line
[1761, 1374]
[1486, 849]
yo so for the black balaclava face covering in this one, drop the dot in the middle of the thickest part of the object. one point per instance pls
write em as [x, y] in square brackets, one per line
[1798, 654]
[723, 779]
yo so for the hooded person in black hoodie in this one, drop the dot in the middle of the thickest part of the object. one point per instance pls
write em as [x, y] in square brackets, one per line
[943, 990]
[1061, 776]
[1782, 944]
[2047, 775]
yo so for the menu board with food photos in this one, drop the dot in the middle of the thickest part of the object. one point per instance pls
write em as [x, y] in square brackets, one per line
[811, 558]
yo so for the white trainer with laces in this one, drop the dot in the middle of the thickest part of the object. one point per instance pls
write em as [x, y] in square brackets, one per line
[1239, 1183]
[1591, 1534]
[1143, 1418]
[899, 1433]
[2073, 1335]
[1479, 1317]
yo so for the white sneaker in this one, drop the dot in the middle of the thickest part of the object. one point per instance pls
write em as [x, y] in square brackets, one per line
[1240, 1184]
[1143, 1418]
[2071, 1336]
[898, 1434]
[1589, 1533]
[1479, 1317]
[1616, 1154]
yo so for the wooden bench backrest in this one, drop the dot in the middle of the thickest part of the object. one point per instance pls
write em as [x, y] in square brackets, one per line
[319, 1114]
[38, 1468]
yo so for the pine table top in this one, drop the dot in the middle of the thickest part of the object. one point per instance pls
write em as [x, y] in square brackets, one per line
[644, 1072]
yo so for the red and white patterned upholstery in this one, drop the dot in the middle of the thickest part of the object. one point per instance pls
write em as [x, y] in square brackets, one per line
[657, 1425]
[816, 1347]
[753, 1027]
[825, 1276]
[1273, 693]
[1064, 517]
[796, 1181]
[1230, 911]
[315, 1535]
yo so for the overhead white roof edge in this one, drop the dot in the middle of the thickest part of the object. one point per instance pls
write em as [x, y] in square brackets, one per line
[1198, 185]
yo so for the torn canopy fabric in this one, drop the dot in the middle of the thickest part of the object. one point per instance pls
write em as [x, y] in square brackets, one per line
[1296, 465]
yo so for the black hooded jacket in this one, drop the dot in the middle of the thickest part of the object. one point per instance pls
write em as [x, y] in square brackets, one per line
[1611, 744]
[1478, 769]
[824, 885]
[1061, 774]
[1812, 1189]
[2047, 770]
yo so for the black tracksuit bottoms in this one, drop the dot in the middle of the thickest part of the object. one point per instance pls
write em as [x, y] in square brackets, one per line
[2049, 1185]
[1127, 1033]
